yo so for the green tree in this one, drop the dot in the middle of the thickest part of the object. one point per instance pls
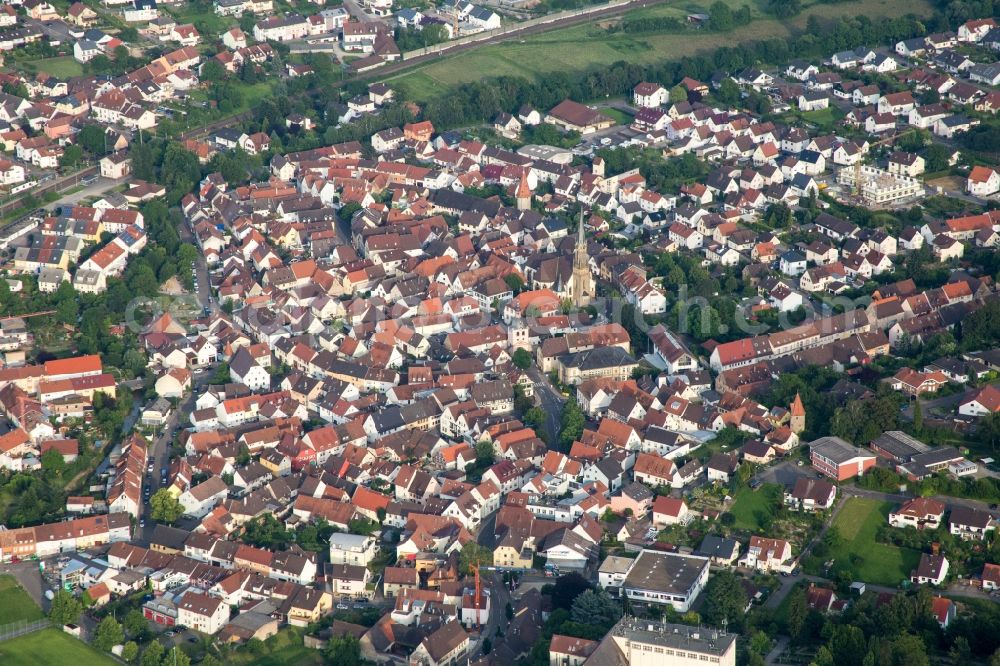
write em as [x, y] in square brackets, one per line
[213, 70]
[65, 609]
[848, 645]
[522, 359]
[67, 304]
[760, 643]
[93, 139]
[678, 94]
[860, 422]
[595, 607]
[960, 652]
[153, 654]
[472, 554]
[534, 417]
[728, 92]
[267, 532]
[247, 22]
[485, 453]
[53, 462]
[910, 650]
[71, 156]
[572, 424]
[720, 16]
[936, 157]
[725, 599]
[135, 623]
[342, 651]
[181, 170]
[567, 588]
[797, 610]
[211, 660]
[130, 651]
[175, 657]
[108, 634]
[785, 8]
[16, 89]
[514, 282]
[166, 508]
[823, 657]
[778, 216]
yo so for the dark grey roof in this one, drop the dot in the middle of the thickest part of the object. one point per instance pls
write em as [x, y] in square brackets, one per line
[720, 547]
[602, 357]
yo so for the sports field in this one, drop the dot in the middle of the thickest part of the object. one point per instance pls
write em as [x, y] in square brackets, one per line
[585, 45]
[50, 646]
[15, 604]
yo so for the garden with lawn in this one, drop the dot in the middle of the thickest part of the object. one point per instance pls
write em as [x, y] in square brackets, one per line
[850, 544]
[15, 604]
[754, 509]
[62, 67]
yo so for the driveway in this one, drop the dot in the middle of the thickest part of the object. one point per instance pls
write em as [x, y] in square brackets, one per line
[945, 404]
[784, 473]
[55, 30]
[899, 498]
[355, 10]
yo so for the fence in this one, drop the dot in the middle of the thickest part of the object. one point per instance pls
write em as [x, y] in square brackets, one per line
[15, 629]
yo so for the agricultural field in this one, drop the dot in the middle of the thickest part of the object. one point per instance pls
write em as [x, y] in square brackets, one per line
[559, 50]
[50, 646]
[15, 604]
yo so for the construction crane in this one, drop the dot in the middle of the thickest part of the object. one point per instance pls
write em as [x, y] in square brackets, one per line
[889, 140]
[477, 600]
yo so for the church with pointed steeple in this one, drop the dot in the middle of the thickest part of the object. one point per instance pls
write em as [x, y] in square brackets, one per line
[581, 288]
[797, 423]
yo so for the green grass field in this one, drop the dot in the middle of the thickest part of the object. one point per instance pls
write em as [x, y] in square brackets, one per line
[63, 67]
[620, 117]
[203, 17]
[869, 561]
[50, 646]
[824, 119]
[560, 50]
[15, 604]
[748, 505]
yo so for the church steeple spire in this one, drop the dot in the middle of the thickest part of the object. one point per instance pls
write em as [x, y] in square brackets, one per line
[580, 258]
[582, 286]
